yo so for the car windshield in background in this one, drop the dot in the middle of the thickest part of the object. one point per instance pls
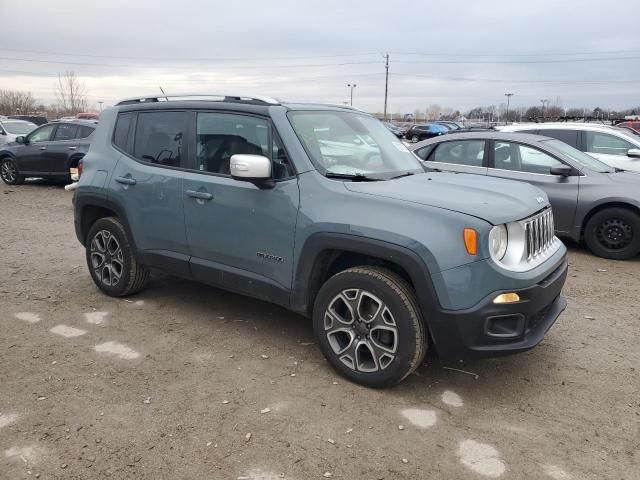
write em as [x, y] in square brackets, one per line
[19, 128]
[580, 157]
[346, 143]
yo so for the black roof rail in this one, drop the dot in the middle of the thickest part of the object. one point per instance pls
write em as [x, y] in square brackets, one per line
[254, 99]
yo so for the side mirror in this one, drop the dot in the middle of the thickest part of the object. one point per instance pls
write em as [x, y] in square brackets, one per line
[633, 152]
[252, 168]
[561, 170]
[2, 132]
[21, 139]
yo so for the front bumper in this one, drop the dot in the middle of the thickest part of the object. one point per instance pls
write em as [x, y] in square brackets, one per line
[488, 329]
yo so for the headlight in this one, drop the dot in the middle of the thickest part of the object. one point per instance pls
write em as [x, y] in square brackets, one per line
[498, 242]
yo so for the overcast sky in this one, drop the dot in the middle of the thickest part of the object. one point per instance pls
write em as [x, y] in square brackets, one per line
[454, 53]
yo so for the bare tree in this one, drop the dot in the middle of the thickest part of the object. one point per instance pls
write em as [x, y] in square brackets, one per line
[12, 102]
[71, 93]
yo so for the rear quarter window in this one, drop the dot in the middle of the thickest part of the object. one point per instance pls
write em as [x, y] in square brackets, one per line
[121, 132]
[570, 137]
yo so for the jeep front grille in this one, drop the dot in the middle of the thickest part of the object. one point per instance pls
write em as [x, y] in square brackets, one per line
[539, 233]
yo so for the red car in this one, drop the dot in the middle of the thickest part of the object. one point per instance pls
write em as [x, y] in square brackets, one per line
[88, 116]
[633, 125]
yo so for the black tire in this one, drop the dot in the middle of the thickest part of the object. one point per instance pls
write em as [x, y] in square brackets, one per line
[402, 312]
[9, 172]
[119, 275]
[415, 139]
[614, 233]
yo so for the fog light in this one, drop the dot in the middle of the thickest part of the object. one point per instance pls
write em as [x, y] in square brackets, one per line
[507, 298]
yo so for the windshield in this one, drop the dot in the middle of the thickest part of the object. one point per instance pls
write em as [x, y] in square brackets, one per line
[580, 157]
[349, 143]
[19, 127]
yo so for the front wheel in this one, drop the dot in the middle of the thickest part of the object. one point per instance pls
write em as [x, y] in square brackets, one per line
[614, 233]
[112, 264]
[9, 172]
[415, 139]
[369, 327]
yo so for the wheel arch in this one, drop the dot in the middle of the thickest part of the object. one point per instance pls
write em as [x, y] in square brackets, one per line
[603, 206]
[74, 160]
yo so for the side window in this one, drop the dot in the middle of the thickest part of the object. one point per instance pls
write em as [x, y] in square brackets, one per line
[606, 144]
[281, 164]
[41, 135]
[569, 137]
[65, 132]
[423, 153]
[159, 138]
[121, 133]
[221, 135]
[462, 152]
[522, 158]
[84, 131]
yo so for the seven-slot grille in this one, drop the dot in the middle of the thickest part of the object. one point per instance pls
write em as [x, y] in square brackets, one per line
[539, 233]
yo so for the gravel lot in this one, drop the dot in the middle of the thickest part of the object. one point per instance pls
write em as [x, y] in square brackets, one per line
[174, 383]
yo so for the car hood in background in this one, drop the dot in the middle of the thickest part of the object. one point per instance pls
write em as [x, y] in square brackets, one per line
[492, 199]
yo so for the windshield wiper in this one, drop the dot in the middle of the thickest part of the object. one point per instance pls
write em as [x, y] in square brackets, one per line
[616, 169]
[406, 174]
[354, 177]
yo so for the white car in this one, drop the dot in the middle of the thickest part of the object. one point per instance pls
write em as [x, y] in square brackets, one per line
[10, 129]
[608, 144]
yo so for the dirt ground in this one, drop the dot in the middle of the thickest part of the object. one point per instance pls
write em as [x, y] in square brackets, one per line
[174, 383]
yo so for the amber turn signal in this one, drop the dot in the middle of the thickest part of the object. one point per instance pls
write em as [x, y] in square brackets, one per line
[471, 241]
[510, 297]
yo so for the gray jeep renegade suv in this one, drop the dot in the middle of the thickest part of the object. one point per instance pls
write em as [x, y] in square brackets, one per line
[322, 210]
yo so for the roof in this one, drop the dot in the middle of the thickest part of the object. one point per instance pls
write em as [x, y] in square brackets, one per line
[558, 125]
[482, 135]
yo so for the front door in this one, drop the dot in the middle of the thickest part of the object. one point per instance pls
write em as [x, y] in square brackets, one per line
[31, 157]
[241, 236]
[516, 161]
[611, 149]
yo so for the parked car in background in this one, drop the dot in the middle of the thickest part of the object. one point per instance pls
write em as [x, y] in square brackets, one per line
[10, 129]
[609, 144]
[37, 119]
[450, 125]
[245, 194]
[397, 130]
[422, 132]
[88, 116]
[49, 151]
[592, 202]
[633, 125]
[628, 130]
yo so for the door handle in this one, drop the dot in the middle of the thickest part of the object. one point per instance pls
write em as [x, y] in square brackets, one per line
[126, 180]
[43, 148]
[72, 148]
[199, 195]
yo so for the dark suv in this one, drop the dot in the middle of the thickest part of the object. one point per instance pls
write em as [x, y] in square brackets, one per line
[421, 132]
[322, 210]
[47, 152]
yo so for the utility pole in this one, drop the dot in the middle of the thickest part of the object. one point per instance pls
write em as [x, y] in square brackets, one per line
[100, 105]
[543, 101]
[506, 117]
[386, 85]
[351, 86]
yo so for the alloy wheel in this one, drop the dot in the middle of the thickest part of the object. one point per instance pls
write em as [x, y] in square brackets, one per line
[107, 259]
[8, 171]
[361, 331]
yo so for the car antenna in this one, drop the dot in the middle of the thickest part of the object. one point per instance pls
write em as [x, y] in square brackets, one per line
[165, 95]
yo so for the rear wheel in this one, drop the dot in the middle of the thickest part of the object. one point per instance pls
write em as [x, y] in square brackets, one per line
[415, 139]
[369, 326]
[614, 233]
[111, 261]
[9, 172]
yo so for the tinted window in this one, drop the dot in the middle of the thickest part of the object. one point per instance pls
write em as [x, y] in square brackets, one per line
[65, 132]
[84, 131]
[424, 152]
[219, 136]
[42, 134]
[121, 133]
[522, 158]
[159, 137]
[606, 144]
[463, 152]
[570, 137]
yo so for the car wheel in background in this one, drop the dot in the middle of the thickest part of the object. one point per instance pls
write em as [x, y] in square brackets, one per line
[614, 233]
[369, 326]
[9, 172]
[415, 139]
[111, 261]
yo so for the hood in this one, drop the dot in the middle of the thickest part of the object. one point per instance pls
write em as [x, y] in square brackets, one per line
[492, 199]
[628, 177]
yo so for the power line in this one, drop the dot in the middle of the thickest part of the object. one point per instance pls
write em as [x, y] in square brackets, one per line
[551, 54]
[493, 62]
[504, 80]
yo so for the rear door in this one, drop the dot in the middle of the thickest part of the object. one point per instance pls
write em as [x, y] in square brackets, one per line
[30, 157]
[515, 161]
[62, 145]
[463, 156]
